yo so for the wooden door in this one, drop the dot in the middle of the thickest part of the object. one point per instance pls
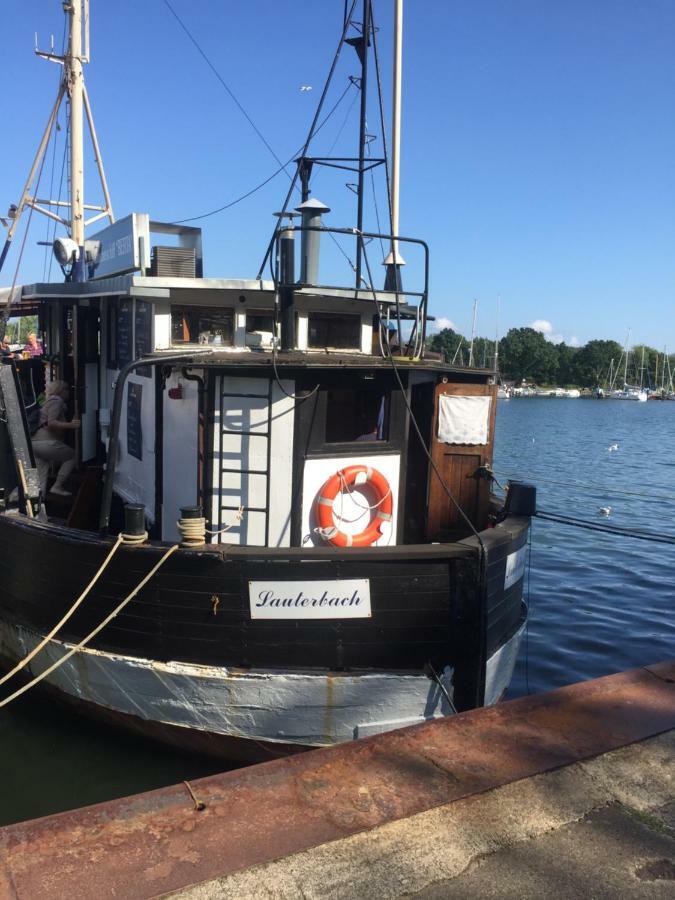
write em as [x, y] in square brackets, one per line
[459, 466]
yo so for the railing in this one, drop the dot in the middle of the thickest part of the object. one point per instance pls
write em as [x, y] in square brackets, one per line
[415, 342]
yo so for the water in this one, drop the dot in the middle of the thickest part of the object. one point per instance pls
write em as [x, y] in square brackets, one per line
[599, 604]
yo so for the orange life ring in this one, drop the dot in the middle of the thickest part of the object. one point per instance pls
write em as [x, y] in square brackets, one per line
[323, 506]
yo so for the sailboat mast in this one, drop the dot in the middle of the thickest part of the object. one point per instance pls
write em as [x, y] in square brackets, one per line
[499, 299]
[642, 366]
[625, 365]
[473, 332]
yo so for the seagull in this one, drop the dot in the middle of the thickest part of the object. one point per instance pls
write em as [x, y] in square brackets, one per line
[613, 447]
[605, 511]
[306, 87]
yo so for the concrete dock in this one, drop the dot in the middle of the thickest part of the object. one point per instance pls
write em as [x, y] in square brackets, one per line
[570, 792]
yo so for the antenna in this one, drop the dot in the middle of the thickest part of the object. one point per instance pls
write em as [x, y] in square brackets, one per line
[72, 85]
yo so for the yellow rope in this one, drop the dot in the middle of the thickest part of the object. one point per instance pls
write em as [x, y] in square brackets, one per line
[92, 634]
[73, 608]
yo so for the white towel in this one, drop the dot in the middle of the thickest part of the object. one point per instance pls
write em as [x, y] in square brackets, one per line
[463, 420]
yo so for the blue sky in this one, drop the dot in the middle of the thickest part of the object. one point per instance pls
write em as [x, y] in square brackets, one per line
[538, 151]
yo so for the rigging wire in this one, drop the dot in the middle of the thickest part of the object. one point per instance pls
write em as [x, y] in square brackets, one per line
[312, 130]
[601, 488]
[220, 78]
[5, 314]
[382, 124]
[274, 174]
[50, 222]
[605, 529]
[63, 170]
[413, 419]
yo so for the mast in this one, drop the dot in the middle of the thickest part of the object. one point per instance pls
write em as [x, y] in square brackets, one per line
[365, 43]
[642, 366]
[72, 84]
[625, 365]
[74, 78]
[394, 261]
[497, 336]
[473, 332]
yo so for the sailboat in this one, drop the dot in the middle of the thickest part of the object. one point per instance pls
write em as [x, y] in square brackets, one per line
[282, 533]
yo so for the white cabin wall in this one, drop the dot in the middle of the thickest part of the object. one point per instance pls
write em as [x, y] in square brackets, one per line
[162, 325]
[135, 478]
[241, 445]
[180, 452]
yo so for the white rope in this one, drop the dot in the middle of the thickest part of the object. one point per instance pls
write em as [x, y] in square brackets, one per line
[73, 608]
[193, 531]
[134, 539]
[345, 487]
[92, 634]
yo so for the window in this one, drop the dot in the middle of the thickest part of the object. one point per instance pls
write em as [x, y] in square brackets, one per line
[356, 415]
[333, 330]
[259, 321]
[202, 325]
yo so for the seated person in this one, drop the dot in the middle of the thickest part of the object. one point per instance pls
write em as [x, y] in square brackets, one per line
[48, 445]
[5, 349]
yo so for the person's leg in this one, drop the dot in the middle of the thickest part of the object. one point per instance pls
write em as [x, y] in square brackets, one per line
[54, 451]
[43, 461]
[65, 469]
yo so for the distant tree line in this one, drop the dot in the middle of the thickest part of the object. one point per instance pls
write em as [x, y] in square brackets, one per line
[526, 355]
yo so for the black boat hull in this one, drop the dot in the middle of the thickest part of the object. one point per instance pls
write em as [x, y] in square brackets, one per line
[185, 662]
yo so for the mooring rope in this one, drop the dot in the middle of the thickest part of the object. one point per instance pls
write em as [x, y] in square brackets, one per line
[24, 662]
[193, 531]
[92, 634]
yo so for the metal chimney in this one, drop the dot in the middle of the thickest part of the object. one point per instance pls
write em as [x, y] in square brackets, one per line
[311, 210]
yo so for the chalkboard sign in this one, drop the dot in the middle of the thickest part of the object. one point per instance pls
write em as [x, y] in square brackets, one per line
[143, 334]
[124, 333]
[134, 429]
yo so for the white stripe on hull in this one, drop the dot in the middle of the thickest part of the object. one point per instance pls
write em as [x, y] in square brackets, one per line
[499, 669]
[285, 707]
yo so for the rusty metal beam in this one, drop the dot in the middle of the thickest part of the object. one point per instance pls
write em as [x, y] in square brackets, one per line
[160, 841]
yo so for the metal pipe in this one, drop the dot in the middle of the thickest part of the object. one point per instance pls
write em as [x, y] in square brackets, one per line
[286, 287]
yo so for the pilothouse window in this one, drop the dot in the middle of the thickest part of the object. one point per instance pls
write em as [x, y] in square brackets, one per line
[356, 415]
[201, 325]
[328, 330]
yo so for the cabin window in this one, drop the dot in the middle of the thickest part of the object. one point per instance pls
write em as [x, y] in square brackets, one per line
[259, 321]
[334, 330]
[202, 325]
[356, 415]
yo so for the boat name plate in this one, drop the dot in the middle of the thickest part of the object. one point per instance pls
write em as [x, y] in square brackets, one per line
[310, 599]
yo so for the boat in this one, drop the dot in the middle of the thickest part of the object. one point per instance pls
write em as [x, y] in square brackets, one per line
[630, 392]
[282, 532]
